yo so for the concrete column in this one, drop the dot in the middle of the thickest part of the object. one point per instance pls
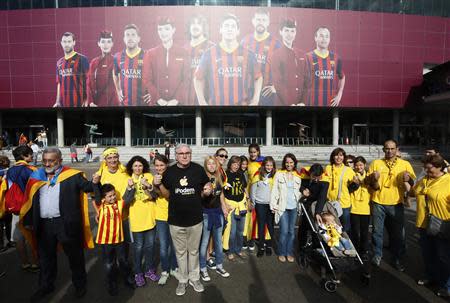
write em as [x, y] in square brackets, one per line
[269, 127]
[314, 125]
[335, 127]
[395, 125]
[60, 127]
[198, 127]
[127, 122]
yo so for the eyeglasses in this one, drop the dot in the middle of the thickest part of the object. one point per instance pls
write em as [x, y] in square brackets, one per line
[184, 154]
[349, 162]
[223, 156]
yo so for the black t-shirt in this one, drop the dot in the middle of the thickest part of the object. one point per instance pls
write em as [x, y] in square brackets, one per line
[238, 185]
[318, 192]
[213, 201]
[185, 186]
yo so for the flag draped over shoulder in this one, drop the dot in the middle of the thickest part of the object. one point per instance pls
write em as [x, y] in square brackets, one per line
[16, 178]
[38, 179]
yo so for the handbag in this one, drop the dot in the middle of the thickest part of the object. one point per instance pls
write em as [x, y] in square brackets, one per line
[437, 227]
[336, 203]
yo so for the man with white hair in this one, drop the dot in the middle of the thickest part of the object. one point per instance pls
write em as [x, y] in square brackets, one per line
[56, 209]
[185, 185]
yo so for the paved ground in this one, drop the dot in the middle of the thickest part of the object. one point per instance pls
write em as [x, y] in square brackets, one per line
[254, 280]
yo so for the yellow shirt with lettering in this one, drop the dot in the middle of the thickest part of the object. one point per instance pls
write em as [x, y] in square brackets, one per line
[392, 189]
[142, 209]
[334, 174]
[361, 198]
[433, 197]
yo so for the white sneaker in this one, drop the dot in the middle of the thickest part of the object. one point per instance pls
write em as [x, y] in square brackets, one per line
[222, 272]
[197, 285]
[164, 277]
[204, 275]
[181, 289]
[175, 274]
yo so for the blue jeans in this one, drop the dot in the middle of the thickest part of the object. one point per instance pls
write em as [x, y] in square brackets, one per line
[264, 217]
[166, 250]
[287, 235]
[144, 243]
[345, 219]
[217, 238]
[435, 254]
[236, 234]
[344, 244]
[395, 215]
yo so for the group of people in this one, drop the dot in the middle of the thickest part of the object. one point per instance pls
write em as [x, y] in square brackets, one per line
[262, 68]
[204, 214]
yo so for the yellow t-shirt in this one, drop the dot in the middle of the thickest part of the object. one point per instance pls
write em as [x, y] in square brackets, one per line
[391, 181]
[360, 198]
[433, 194]
[333, 176]
[119, 180]
[142, 209]
[161, 209]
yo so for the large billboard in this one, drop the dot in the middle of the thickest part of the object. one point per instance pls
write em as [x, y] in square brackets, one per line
[214, 56]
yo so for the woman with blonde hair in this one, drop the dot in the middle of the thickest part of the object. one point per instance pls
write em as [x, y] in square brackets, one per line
[213, 219]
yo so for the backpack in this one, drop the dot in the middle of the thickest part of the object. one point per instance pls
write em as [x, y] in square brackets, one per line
[15, 195]
[14, 199]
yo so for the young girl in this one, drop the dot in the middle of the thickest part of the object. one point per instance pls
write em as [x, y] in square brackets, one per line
[235, 192]
[166, 250]
[360, 211]
[260, 197]
[142, 219]
[213, 220]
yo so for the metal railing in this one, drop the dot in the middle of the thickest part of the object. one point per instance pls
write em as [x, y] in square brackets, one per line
[296, 141]
[161, 141]
[222, 141]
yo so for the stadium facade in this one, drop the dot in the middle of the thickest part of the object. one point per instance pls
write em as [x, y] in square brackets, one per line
[218, 75]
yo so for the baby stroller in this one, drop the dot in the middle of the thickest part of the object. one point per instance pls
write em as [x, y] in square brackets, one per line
[317, 251]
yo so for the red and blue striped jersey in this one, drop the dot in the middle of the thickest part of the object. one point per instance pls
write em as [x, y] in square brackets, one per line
[130, 76]
[195, 54]
[323, 74]
[230, 76]
[71, 74]
[263, 50]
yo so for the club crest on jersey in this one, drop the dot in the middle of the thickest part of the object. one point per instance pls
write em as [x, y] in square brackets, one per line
[266, 47]
[332, 62]
[240, 59]
[140, 61]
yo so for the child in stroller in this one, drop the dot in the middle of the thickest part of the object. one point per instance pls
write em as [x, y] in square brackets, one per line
[331, 233]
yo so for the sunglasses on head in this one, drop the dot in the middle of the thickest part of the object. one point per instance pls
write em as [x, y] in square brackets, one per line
[223, 156]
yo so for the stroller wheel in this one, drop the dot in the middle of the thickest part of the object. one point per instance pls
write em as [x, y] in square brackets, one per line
[330, 286]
